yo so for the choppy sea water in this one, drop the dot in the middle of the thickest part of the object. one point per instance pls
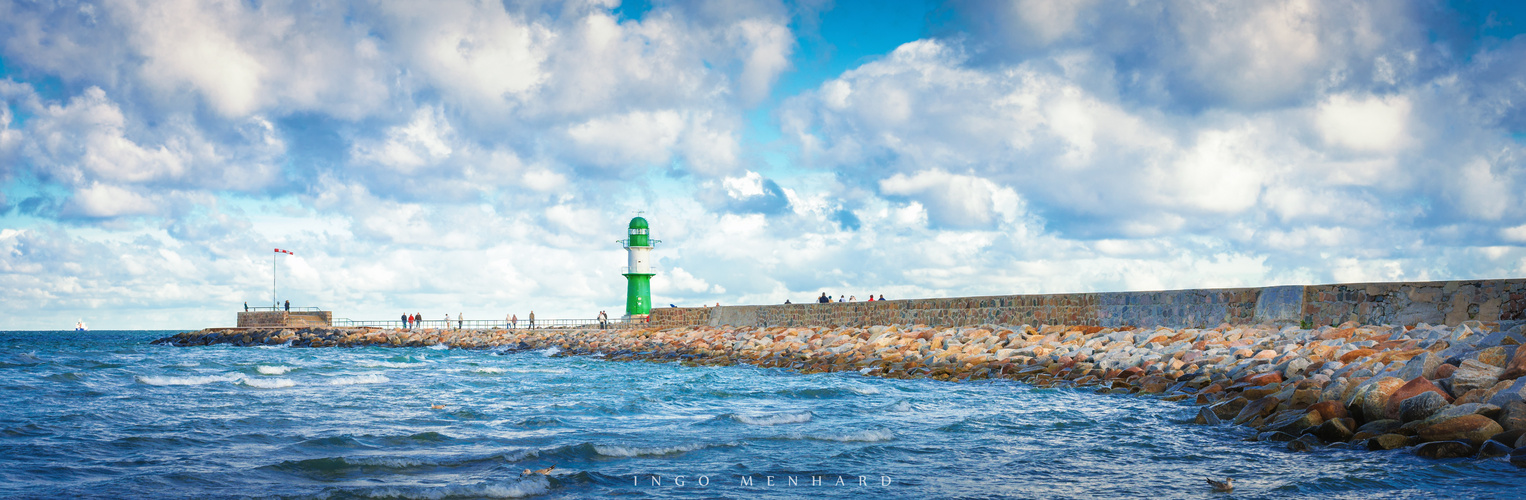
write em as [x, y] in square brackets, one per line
[105, 414]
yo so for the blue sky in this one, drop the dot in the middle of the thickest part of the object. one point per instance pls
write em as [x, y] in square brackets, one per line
[483, 157]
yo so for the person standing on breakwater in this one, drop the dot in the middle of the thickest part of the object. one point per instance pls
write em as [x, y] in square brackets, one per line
[823, 299]
[288, 306]
[405, 321]
[418, 320]
[445, 325]
[603, 321]
[246, 307]
[459, 321]
[514, 322]
[882, 296]
[532, 320]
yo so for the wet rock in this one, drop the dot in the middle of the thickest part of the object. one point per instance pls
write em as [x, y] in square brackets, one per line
[1513, 416]
[1275, 436]
[1333, 431]
[1387, 442]
[1206, 416]
[1518, 456]
[1492, 448]
[1445, 449]
[1227, 410]
[1421, 406]
[1306, 442]
[1297, 422]
[1472, 428]
[1510, 437]
[1330, 409]
[1257, 409]
[1378, 427]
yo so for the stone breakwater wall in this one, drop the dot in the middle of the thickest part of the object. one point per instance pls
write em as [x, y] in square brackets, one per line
[1442, 391]
[1501, 302]
[285, 318]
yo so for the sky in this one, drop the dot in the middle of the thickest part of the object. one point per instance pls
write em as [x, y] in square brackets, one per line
[484, 157]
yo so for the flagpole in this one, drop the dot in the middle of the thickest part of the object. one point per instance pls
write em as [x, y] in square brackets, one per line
[274, 302]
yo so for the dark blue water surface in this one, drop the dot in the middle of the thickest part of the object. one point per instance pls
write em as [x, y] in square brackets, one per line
[105, 414]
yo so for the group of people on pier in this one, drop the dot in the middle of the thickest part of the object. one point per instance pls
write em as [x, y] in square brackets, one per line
[826, 299]
[416, 320]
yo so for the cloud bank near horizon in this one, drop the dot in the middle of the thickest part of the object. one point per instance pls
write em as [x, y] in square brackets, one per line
[482, 157]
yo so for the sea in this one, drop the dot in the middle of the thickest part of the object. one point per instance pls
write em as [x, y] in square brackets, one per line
[104, 414]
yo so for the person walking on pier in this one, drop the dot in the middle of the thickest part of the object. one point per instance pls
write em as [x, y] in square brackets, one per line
[405, 321]
[514, 322]
[246, 307]
[603, 321]
[445, 325]
[418, 320]
[288, 306]
[532, 320]
[459, 321]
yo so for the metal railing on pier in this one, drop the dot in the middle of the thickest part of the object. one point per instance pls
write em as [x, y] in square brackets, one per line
[481, 324]
[279, 309]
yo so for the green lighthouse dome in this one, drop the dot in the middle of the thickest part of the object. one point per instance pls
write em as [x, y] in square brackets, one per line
[639, 233]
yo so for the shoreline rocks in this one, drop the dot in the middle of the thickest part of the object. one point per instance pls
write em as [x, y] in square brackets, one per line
[1447, 391]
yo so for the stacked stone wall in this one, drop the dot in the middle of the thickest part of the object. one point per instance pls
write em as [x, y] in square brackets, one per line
[284, 318]
[1442, 302]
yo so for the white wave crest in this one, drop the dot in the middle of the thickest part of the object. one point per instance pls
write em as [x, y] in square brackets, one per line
[387, 364]
[273, 370]
[195, 380]
[268, 383]
[439, 347]
[550, 351]
[282, 345]
[865, 391]
[488, 369]
[534, 485]
[372, 378]
[634, 451]
[775, 419]
[552, 371]
[860, 436]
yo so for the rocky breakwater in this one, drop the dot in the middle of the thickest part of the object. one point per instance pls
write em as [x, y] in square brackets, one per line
[1442, 392]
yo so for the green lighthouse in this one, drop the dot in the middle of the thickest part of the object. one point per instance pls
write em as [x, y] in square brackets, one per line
[638, 274]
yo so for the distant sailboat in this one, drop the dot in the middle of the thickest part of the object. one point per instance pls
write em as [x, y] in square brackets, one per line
[80, 326]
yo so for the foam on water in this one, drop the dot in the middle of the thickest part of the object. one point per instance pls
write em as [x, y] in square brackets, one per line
[636, 451]
[774, 419]
[273, 370]
[162, 380]
[550, 351]
[371, 378]
[268, 383]
[534, 485]
[388, 364]
[488, 369]
[867, 436]
[439, 347]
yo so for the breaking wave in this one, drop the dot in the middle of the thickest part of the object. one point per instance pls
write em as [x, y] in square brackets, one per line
[372, 378]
